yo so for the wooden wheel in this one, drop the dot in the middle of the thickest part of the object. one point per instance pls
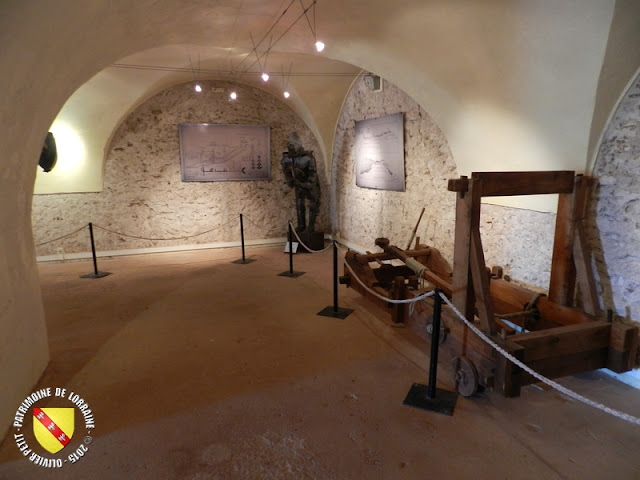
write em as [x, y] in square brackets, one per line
[464, 376]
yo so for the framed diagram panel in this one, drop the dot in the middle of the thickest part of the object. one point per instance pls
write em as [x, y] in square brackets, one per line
[218, 153]
[380, 153]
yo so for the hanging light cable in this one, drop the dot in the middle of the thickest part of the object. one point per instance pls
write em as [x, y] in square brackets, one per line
[197, 86]
[285, 81]
[319, 45]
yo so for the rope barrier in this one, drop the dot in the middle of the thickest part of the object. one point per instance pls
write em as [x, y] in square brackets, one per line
[151, 238]
[163, 239]
[551, 383]
[60, 238]
[305, 246]
[260, 227]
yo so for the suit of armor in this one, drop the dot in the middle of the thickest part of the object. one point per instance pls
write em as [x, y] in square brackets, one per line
[299, 167]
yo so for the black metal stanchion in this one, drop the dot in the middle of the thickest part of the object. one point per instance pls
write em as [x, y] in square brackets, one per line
[290, 272]
[428, 397]
[242, 260]
[96, 273]
[335, 311]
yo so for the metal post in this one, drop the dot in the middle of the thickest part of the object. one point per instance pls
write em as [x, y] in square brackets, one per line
[424, 396]
[93, 250]
[435, 343]
[290, 250]
[243, 260]
[335, 311]
[96, 273]
[335, 277]
[290, 273]
[242, 236]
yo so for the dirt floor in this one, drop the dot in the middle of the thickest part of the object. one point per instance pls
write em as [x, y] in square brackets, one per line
[197, 368]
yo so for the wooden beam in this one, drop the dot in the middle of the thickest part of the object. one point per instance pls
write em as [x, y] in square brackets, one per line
[498, 184]
[462, 284]
[458, 184]
[481, 283]
[623, 347]
[585, 277]
[562, 281]
[584, 273]
[508, 376]
[556, 367]
[556, 342]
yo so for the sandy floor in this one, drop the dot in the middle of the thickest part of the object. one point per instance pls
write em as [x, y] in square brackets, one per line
[197, 368]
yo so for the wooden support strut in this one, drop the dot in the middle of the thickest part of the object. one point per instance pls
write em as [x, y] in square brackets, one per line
[395, 252]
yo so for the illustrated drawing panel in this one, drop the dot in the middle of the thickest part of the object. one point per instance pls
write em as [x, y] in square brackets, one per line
[380, 153]
[218, 153]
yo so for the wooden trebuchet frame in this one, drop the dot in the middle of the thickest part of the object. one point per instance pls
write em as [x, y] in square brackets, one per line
[549, 333]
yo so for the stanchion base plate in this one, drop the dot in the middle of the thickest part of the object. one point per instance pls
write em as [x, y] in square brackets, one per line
[95, 275]
[444, 401]
[290, 274]
[329, 311]
[243, 262]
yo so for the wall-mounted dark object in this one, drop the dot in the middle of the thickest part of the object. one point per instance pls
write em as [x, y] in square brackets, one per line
[49, 155]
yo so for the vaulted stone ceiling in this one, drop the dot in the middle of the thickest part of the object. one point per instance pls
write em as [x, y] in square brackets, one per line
[512, 84]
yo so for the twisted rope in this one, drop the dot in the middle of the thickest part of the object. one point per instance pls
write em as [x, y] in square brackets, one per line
[163, 239]
[60, 238]
[260, 227]
[305, 246]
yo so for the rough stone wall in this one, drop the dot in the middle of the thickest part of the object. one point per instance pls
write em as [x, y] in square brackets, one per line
[518, 240]
[360, 214]
[614, 219]
[144, 196]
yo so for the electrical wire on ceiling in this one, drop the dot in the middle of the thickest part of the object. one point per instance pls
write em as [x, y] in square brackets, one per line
[205, 71]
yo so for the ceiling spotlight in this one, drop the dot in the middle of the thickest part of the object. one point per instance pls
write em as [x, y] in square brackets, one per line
[233, 95]
[198, 88]
[319, 46]
[265, 77]
[286, 94]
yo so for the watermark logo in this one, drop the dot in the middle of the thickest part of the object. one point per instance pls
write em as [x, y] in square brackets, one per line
[53, 427]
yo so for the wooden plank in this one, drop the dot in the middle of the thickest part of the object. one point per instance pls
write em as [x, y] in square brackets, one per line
[507, 295]
[481, 284]
[623, 335]
[562, 341]
[497, 184]
[585, 277]
[508, 376]
[462, 285]
[562, 276]
[556, 367]
[623, 347]
[398, 292]
[365, 258]
[584, 273]
[458, 184]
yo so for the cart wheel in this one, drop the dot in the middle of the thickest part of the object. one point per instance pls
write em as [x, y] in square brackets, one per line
[443, 330]
[464, 376]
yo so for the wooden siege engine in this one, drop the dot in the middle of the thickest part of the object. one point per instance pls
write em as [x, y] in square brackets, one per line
[549, 333]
